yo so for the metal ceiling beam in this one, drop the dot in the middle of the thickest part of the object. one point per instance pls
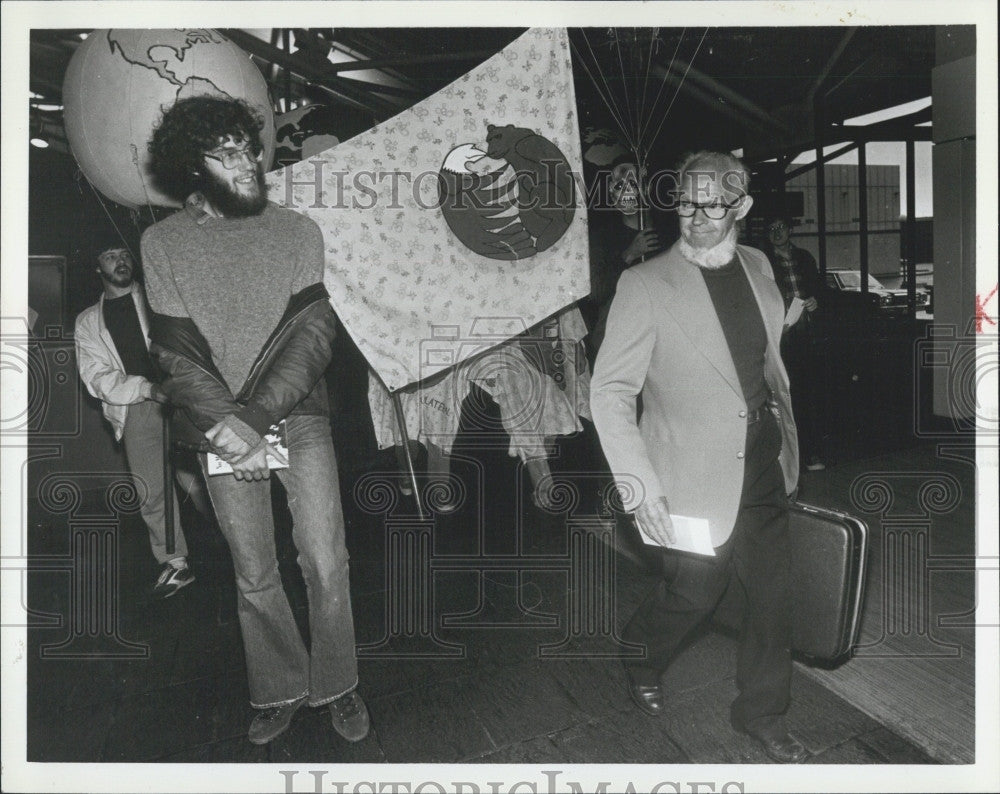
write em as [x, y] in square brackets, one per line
[333, 84]
[847, 77]
[902, 128]
[705, 98]
[54, 49]
[731, 96]
[51, 83]
[410, 60]
[351, 44]
[909, 120]
[898, 134]
[830, 63]
[805, 169]
[378, 88]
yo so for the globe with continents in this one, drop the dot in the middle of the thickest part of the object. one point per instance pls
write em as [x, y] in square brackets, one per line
[119, 82]
[305, 132]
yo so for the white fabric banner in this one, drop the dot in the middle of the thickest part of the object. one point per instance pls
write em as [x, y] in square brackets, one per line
[540, 383]
[456, 224]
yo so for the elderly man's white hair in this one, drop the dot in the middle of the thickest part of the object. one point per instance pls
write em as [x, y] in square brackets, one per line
[727, 168]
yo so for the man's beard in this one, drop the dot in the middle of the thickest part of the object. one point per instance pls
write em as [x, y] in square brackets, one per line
[718, 256]
[118, 281]
[230, 204]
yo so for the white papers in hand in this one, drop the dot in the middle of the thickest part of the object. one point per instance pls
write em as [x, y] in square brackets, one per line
[277, 437]
[794, 312]
[692, 534]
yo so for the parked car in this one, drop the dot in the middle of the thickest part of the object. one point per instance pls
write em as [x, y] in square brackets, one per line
[881, 297]
[924, 280]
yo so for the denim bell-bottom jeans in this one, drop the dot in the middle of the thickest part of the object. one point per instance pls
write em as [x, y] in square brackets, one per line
[279, 667]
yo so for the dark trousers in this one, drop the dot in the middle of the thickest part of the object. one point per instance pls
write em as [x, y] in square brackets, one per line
[758, 554]
[804, 358]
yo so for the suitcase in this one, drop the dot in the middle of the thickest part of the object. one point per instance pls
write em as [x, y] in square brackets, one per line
[828, 571]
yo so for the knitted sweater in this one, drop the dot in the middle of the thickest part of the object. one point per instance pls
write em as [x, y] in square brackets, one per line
[232, 276]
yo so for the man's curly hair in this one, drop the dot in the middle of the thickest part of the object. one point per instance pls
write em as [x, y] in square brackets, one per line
[191, 127]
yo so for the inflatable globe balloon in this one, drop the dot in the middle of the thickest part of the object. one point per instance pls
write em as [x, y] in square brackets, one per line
[305, 132]
[119, 82]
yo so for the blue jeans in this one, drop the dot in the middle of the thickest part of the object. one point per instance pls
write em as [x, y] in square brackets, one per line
[143, 440]
[279, 667]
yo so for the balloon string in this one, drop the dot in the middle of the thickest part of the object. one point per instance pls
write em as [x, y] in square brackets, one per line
[142, 181]
[621, 115]
[645, 88]
[608, 101]
[100, 201]
[659, 93]
[628, 101]
[681, 83]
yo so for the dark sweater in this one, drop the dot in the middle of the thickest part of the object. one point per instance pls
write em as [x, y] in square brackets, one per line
[743, 327]
[122, 322]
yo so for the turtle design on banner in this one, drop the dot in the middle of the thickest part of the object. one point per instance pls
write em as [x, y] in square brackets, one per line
[511, 200]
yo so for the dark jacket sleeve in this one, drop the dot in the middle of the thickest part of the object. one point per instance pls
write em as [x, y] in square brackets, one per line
[295, 368]
[810, 273]
[191, 380]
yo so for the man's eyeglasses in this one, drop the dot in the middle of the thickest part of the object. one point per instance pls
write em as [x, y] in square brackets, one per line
[714, 210]
[231, 158]
[780, 226]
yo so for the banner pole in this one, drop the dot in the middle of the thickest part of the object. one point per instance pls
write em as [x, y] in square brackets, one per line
[397, 407]
[168, 481]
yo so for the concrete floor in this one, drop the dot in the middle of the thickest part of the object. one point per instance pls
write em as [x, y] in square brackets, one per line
[506, 655]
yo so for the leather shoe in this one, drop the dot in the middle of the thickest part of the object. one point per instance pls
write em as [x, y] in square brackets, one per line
[350, 716]
[777, 742]
[647, 698]
[270, 723]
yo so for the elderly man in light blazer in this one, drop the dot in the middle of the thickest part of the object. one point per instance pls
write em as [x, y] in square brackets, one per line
[696, 330]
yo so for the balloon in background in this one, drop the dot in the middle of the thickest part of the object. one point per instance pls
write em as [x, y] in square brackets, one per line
[305, 132]
[120, 81]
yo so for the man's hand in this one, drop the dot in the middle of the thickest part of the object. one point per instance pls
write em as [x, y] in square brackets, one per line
[156, 394]
[654, 518]
[810, 304]
[226, 443]
[254, 466]
[643, 243]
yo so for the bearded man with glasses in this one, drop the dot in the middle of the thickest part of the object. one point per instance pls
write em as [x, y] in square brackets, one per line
[242, 326]
[696, 331]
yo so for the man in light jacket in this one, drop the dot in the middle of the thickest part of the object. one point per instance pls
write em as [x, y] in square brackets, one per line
[112, 354]
[696, 331]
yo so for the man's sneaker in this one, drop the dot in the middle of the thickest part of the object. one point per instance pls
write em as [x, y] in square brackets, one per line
[350, 717]
[272, 722]
[171, 579]
[815, 464]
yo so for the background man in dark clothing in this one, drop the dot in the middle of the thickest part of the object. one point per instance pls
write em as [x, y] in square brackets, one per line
[621, 234]
[798, 278]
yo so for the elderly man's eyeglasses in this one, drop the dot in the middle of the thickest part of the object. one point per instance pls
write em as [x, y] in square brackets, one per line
[231, 158]
[714, 210]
